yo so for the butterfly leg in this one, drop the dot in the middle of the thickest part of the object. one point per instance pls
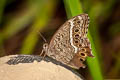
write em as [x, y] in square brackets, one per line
[44, 55]
[41, 52]
[44, 50]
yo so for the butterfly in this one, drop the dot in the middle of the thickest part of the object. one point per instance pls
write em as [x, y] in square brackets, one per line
[70, 45]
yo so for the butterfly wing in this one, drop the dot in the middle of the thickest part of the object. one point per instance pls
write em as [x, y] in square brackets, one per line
[69, 44]
[60, 47]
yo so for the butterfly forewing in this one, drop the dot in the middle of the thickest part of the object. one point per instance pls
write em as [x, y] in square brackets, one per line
[60, 47]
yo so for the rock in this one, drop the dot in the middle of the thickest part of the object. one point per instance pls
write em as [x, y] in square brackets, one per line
[29, 67]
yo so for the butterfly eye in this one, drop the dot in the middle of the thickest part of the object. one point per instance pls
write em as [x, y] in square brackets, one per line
[45, 45]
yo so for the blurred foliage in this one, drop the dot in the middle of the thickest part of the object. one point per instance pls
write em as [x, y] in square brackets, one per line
[2, 5]
[40, 21]
[22, 20]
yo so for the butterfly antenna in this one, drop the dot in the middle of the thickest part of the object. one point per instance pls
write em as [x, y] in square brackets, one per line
[42, 37]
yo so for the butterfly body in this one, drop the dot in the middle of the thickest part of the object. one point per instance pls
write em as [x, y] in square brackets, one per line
[70, 44]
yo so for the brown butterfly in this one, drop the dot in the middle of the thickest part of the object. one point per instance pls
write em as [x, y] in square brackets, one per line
[70, 44]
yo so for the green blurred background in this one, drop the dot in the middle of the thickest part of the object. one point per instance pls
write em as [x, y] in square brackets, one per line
[22, 20]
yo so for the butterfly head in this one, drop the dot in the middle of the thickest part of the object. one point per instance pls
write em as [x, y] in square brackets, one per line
[45, 46]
